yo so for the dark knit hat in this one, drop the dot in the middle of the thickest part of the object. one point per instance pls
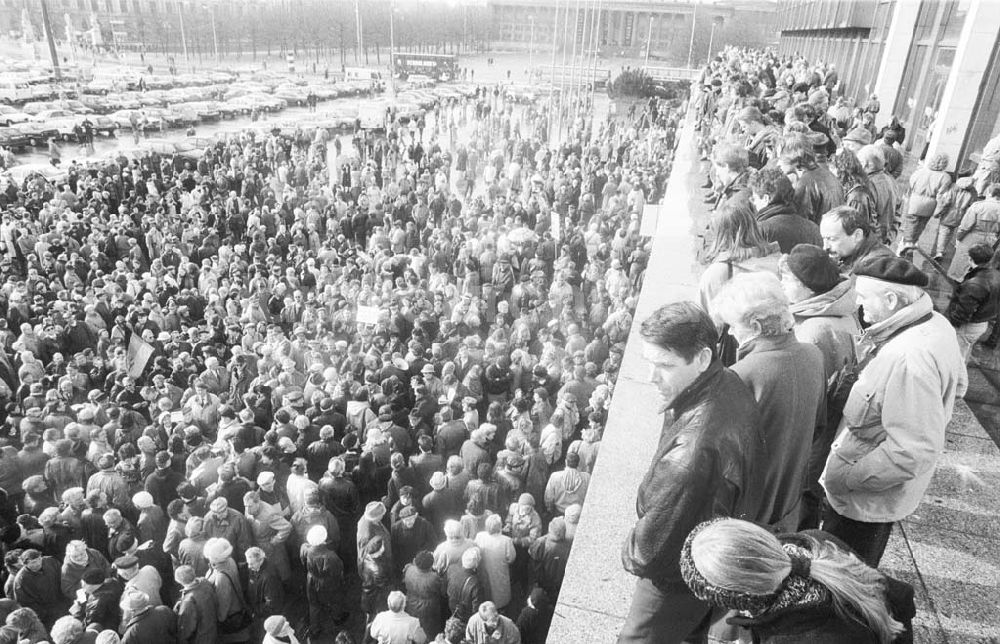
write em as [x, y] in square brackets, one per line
[890, 268]
[813, 267]
[93, 577]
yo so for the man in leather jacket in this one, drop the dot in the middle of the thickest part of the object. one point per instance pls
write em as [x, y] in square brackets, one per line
[704, 466]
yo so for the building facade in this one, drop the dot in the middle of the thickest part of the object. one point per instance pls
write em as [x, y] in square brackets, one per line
[664, 28]
[932, 63]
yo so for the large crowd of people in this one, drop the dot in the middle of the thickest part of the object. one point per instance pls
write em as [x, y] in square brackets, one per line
[808, 390]
[258, 397]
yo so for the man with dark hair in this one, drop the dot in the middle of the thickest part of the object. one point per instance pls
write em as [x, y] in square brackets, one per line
[703, 467]
[816, 189]
[777, 214]
[849, 238]
[730, 163]
[893, 157]
[976, 301]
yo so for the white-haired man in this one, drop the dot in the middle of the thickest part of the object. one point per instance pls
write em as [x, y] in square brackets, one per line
[394, 626]
[893, 428]
[786, 377]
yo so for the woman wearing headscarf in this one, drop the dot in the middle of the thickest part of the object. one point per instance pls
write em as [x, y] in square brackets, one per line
[225, 578]
[802, 587]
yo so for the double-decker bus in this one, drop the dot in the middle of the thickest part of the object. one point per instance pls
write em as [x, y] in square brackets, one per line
[442, 67]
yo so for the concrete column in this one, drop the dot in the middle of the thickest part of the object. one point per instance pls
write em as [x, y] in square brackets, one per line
[894, 54]
[972, 56]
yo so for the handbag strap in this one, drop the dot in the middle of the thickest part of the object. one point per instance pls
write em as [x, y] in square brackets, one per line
[236, 590]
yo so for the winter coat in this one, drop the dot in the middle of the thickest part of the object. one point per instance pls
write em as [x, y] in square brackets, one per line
[197, 614]
[886, 194]
[549, 556]
[893, 429]
[265, 592]
[40, 590]
[980, 225]
[506, 631]
[781, 223]
[565, 488]
[803, 609]
[72, 573]
[424, 597]
[702, 468]
[101, 610]
[862, 199]
[156, 625]
[497, 554]
[976, 299]
[830, 321]
[786, 377]
[817, 192]
[930, 192]
[225, 578]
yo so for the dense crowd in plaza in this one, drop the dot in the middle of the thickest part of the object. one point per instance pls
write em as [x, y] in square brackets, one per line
[808, 390]
[256, 398]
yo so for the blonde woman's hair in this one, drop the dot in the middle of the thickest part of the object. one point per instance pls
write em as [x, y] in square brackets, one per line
[754, 297]
[742, 557]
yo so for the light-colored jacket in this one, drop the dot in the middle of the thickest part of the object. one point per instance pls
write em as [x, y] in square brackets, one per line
[830, 322]
[930, 192]
[893, 430]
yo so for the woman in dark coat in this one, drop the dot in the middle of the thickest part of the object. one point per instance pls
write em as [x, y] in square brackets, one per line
[802, 587]
[424, 593]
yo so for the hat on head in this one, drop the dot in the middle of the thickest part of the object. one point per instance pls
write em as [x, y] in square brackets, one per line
[142, 500]
[286, 445]
[374, 511]
[265, 478]
[408, 511]
[277, 626]
[125, 562]
[317, 535]
[889, 268]
[217, 550]
[812, 266]
[859, 135]
[94, 577]
[427, 368]
[135, 601]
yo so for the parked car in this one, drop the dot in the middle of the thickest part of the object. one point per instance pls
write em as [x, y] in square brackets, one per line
[34, 107]
[36, 133]
[124, 119]
[19, 173]
[12, 138]
[10, 115]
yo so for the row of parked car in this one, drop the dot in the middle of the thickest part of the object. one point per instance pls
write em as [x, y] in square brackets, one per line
[160, 107]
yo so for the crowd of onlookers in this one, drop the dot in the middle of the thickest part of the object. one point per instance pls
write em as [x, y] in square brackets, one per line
[259, 398]
[808, 390]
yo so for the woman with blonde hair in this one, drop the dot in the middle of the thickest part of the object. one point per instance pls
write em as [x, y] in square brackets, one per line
[802, 587]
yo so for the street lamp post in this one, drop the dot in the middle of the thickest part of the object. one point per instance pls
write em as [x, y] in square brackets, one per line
[716, 22]
[531, 42]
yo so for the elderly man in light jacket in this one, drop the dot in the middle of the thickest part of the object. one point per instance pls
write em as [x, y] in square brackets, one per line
[893, 429]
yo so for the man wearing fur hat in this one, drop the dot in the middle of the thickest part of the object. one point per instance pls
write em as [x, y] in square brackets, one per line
[893, 428]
